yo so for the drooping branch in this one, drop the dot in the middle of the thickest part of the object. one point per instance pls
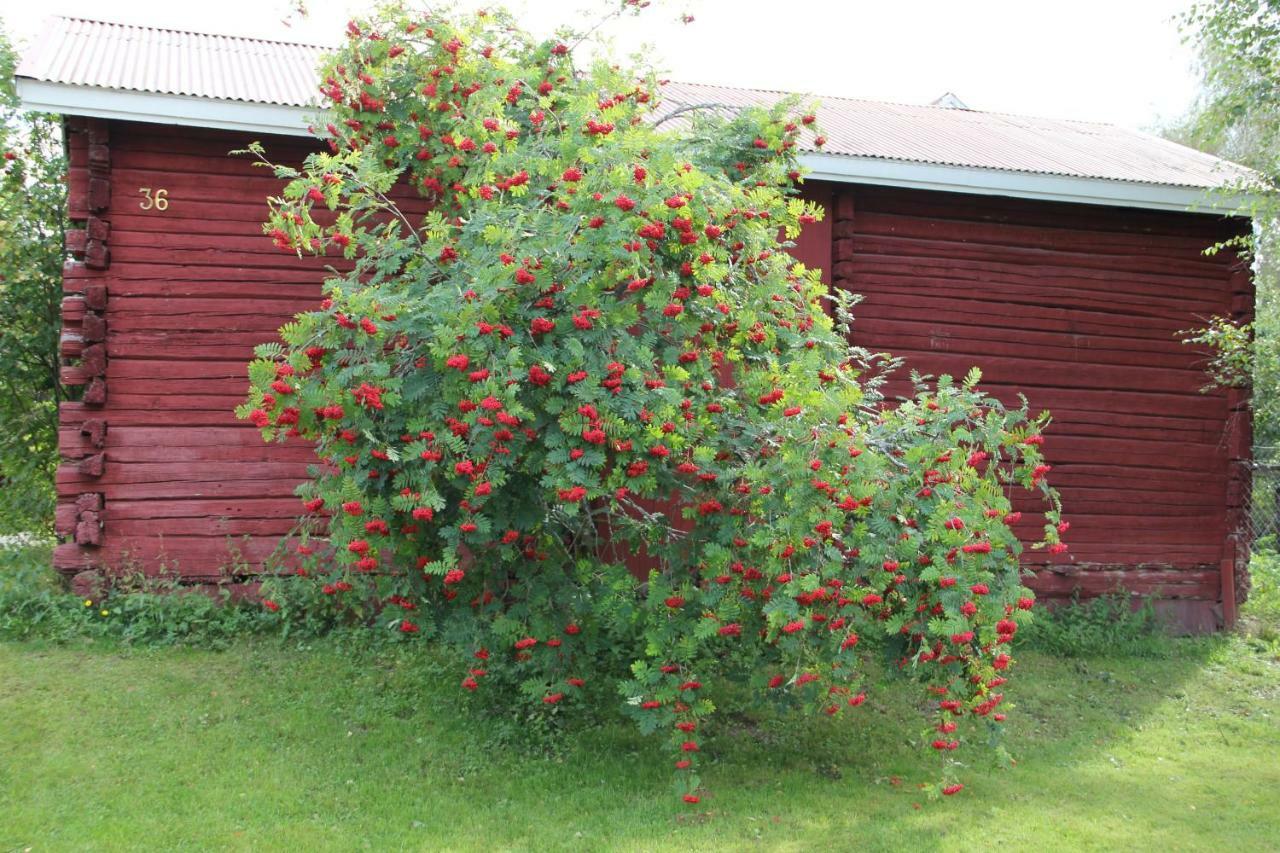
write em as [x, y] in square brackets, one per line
[689, 108]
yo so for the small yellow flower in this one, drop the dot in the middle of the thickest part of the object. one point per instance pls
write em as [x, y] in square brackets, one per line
[106, 612]
[88, 602]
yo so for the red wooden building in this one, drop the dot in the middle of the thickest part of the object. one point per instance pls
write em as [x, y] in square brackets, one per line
[1060, 257]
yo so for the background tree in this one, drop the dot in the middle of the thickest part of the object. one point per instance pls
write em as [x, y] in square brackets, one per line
[1237, 116]
[32, 213]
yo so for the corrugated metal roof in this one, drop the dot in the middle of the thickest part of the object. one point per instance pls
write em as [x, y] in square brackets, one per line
[81, 52]
[107, 55]
[975, 139]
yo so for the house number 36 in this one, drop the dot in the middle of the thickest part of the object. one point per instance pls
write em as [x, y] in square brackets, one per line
[159, 199]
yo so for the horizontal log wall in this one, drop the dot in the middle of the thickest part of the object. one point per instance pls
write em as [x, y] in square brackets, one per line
[1078, 308]
[156, 460]
[1075, 306]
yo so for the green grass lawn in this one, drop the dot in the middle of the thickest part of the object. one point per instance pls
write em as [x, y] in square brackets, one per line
[272, 745]
[354, 743]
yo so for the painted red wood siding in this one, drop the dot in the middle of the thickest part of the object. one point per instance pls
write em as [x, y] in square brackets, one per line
[1077, 307]
[189, 291]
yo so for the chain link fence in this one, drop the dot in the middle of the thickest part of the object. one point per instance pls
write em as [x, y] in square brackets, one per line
[1262, 516]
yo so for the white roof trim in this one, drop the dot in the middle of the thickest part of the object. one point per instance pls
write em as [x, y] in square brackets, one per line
[254, 117]
[159, 108]
[967, 179]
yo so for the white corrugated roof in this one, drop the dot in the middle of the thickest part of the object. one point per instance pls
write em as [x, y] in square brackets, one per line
[81, 52]
[262, 85]
[983, 140]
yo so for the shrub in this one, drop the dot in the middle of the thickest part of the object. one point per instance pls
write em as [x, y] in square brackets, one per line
[1106, 626]
[595, 344]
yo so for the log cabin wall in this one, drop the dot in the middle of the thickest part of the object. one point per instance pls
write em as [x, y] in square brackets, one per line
[1077, 306]
[157, 471]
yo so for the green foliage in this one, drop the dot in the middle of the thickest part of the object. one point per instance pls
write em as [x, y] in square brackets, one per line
[1232, 351]
[1260, 615]
[1264, 574]
[32, 212]
[34, 604]
[595, 344]
[1238, 113]
[1106, 626]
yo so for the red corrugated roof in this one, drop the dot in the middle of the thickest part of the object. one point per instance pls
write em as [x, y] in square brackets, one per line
[87, 53]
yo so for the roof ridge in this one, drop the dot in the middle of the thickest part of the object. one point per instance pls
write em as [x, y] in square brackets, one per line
[893, 103]
[191, 32]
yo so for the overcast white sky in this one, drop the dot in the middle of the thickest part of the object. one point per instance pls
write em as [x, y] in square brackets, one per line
[1119, 61]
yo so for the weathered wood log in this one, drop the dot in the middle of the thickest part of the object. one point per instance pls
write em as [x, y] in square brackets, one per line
[99, 194]
[70, 345]
[98, 130]
[93, 360]
[75, 240]
[99, 155]
[89, 584]
[72, 375]
[98, 228]
[65, 519]
[96, 255]
[73, 274]
[93, 466]
[89, 529]
[71, 558]
[196, 508]
[94, 327]
[96, 393]
[73, 309]
[189, 557]
[177, 489]
[89, 502]
[95, 429]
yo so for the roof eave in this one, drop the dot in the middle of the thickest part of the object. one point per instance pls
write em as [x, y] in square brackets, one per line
[1032, 185]
[279, 119]
[161, 108]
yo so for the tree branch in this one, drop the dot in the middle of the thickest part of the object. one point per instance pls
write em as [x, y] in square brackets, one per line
[688, 108]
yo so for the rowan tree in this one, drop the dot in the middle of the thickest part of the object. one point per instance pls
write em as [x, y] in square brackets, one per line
[595, 344]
